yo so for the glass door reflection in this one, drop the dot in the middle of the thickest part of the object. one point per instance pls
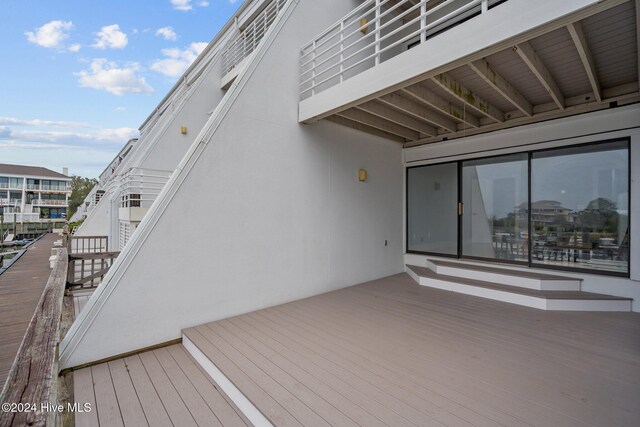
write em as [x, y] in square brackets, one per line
[495, 220]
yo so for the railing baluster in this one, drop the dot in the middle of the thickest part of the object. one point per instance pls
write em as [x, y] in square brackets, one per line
[341, 50]
[377, 36]
[423, 23]
[313, 72]
[485, 6]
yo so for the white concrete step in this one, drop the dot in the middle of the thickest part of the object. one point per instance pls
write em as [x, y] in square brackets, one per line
[540, 299]
[523, 279]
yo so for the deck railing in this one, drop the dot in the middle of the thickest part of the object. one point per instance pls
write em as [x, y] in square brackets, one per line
[87, 244]
[374, 32]
[21, 217]
[87, 270]
[139, 187]
[32, 383]
[249, 37]
[49, 202]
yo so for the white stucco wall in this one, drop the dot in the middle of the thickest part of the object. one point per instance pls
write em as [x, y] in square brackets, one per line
[271, 211]
[623, 122]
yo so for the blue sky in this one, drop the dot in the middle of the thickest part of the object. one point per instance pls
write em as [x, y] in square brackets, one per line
[79, 77]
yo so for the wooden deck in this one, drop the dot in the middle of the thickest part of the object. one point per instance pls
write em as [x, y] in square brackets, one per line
[20, 289]
[391, 352]
[386, 353]
[163, 387]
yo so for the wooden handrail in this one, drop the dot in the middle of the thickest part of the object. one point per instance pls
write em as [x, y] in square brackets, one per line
[33, 376]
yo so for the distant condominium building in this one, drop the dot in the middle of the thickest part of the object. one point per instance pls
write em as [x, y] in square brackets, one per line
[33, 194]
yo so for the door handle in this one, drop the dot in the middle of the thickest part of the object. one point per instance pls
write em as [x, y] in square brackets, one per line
[460, 208]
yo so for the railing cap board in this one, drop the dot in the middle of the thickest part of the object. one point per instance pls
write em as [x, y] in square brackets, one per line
[33, 375]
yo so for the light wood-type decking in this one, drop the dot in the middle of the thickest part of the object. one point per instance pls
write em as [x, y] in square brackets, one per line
[391, 352]
[21, 287]
[163, 387]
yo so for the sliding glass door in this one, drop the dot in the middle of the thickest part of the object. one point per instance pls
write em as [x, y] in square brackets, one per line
[495, 220]
[432, 203]
[565, 208]
[580, 207]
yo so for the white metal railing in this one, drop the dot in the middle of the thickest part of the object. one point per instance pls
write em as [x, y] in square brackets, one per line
[49, 202]
[60, 188]
[10, 202]
[9, 186]
[374, 32]
[33, 186]
[22, 217]
[244, 43]
[139, 187]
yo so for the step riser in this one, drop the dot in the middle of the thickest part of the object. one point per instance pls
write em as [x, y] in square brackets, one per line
[524, 300]
[248, 409]
[522, 282]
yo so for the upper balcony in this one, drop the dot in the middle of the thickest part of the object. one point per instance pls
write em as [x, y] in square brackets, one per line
[139, 188]
[420, 71]
[239, 48]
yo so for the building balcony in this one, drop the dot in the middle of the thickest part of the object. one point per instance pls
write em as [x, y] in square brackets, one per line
[239, 49]
[10, 202]
[49, 202]
[55, 188]
[422, 71]
[138, 190]
[7, 186]
[21, 217]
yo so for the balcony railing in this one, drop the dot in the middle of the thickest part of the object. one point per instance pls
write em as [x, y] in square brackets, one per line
[49, 202]
[246, 42]
[139, 187]
[10, 202]
[60, 188]
[22, 217]
[374, 32]
[8, 186]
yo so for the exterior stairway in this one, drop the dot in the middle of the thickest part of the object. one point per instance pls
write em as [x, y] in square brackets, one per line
[527, 288]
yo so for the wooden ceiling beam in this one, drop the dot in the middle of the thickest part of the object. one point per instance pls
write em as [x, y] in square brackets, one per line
[457, 90]
[423, 95]
[537, 67]
[380, 110]
[363, 128]
[418, 111]
[384, 125]
[580, 41]
[501, 85]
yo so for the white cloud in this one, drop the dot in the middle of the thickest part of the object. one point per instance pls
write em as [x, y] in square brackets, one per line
[108, 76]
[51, 34]
[167, 33]
[38, 122]
[181, 4]
[67, 138]
[121, 109]
[177, 61]
[74, 48]
[204, 3]
[110, 36]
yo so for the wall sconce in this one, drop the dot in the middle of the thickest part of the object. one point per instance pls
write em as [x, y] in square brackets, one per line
[364, 28]
[183, 130]
[362, 175]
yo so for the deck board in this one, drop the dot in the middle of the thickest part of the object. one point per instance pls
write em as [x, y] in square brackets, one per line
[162, 387]
[404, 354]
[21, 286]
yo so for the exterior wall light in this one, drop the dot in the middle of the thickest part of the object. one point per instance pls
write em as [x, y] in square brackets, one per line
[183, 130]
[362, 175]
